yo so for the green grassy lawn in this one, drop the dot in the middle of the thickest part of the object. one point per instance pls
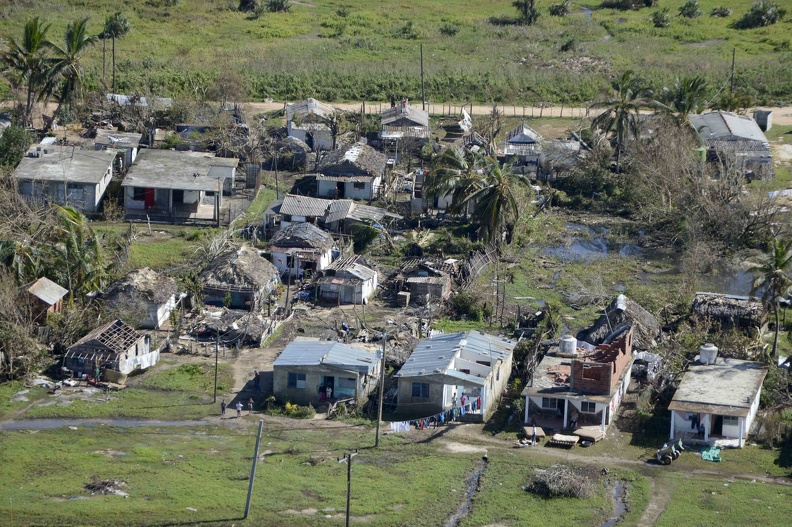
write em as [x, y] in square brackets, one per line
[183, 392]
[473, 51]
[715, 502]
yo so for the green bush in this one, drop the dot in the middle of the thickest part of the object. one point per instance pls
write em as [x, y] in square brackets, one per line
[278, 6]
[299, 412]
[721, 12]
[449, 29]
[690, 9]
[661, 18]
[761, 14]
[13, 145]
[407, 31]
[560, 9]
[466, 305]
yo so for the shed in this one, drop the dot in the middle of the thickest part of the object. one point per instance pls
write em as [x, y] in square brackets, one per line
[731, 311]
[45, 296]
[348, 280]
[115, 347]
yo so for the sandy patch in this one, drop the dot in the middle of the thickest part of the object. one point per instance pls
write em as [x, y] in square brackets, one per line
[461, 448]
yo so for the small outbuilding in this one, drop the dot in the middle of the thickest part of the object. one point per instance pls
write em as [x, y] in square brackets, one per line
[310, 371]
[301, 247]
[145, 295]
[348, 280]
[738, 139]
[114, 350]
[717, 400]
[44, 296]
[522, 147]
[731, 311]
[308, 120]
[241, 278]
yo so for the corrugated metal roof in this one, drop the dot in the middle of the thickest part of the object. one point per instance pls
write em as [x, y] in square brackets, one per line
[725, 126]
[355, 265]
[309, 107]
[523, 134]
[329, 210]
[428, 280]
[315, 353]
[436, 355]
[404, 114]
[47, 291]
[345, 179]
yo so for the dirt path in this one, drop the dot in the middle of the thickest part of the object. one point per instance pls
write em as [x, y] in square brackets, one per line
[659, 495]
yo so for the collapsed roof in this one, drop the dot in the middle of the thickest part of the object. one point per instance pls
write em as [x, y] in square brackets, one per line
[302, 235]
[243, 267]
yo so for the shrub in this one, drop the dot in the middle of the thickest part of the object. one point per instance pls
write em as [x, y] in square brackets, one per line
[449, 29]
[569, 45]
[466, 305]
[13, 145]
[528, 12]
[761, 14]
[278, 6]
[299, 412]
[343, 12]
[560, 9]
[407, 31]
[721, 12]
[690, 9]
[248, 6]
[661, 18]
[650, 3]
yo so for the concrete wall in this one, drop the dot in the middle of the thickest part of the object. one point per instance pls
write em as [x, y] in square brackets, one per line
[602, 377]
[322, 139]
[419, 406]
[314, 379]
[327, 189]
[280, 260]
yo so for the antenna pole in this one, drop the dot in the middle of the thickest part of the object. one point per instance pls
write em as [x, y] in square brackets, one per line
[731, 86]
[423, 93]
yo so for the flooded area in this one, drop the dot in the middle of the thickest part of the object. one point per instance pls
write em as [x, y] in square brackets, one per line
[473, 484]
[619, 498]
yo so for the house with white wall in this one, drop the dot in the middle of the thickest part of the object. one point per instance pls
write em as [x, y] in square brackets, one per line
[443, 368]
[143, 296]
[66, 175]
[348, 280]
[166, 185]
[308, 121]
[717, 400]
[301, 246]
[355, 171]
[576, 386]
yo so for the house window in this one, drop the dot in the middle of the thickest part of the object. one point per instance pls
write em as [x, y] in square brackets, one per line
[359, 186]
[296, 380]
[287, 217]
[550, 404]
[588, 407]
[731, 421]
[138, 194]
[465, 371]
[420, 389]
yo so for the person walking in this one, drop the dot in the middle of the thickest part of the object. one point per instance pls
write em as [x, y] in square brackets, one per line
[223, 406]
[239, 408]
[250, 406]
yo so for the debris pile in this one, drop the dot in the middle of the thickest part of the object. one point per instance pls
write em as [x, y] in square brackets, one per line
[106, 486]
[562, 481]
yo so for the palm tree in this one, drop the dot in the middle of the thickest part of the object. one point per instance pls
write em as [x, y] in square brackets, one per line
[773, 279]
[68, 69]
[22, 259]
[528, 12]
[622, 108]
[686, 97]
[29, 62]
[495, 202]
[457, 174]
[116, 26]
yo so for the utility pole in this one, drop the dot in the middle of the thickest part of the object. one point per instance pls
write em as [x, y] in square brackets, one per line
[381, 388]
[348, 460]
[217, 353]
[731, 86]
[423, 93]
[253, 470]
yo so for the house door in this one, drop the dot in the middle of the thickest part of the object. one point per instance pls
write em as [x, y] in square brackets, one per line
[717, 428]
[340, 189]
[178, 196]
[150, 198]
[329, 382]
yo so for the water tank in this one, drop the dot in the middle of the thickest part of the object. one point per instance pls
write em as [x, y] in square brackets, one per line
[568, 344]
[708, 353]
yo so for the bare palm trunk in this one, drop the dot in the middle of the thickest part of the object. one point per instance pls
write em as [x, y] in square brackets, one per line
[114, 84]
[29, 105]
[775, 337]
[104, 55]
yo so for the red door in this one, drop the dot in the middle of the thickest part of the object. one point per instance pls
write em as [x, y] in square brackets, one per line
[150, 202]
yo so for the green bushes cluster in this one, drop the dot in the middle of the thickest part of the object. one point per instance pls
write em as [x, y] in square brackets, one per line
[299, 412]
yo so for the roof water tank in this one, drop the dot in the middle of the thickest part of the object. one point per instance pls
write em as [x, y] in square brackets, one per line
[568, 344]
[708, 353]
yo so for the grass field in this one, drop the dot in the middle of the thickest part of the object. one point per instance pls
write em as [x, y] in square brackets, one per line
[473, 51]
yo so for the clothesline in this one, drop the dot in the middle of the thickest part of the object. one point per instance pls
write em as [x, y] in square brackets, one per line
[446, 416]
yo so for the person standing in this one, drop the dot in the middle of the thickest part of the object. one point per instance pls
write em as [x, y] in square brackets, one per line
[257, 380]
[329, 393]
[239, 408]
[223, 407]
[250, 406]
[463, 399]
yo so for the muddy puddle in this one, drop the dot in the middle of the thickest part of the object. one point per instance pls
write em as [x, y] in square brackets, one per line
[473, 484]
[619, 504]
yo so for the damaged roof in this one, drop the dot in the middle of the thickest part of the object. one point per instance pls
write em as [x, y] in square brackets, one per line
[355, 265]
[360, 158]
[309, 107]
[405, 115]
[329, 210]
[302, 235]
[522, 135]
[240, 267]
[145, 284]
[116, 336]
[729, 307]
[620, 312]
[170, 169]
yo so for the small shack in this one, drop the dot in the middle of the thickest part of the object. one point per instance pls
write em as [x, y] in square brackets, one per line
[44, 296]
[348, 280]
[426, 279]
[731, 311]
[241, 278]
[145, 295]
[114, 349]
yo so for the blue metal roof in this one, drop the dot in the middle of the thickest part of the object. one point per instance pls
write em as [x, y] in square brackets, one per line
[330, 353]
[436, 355]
